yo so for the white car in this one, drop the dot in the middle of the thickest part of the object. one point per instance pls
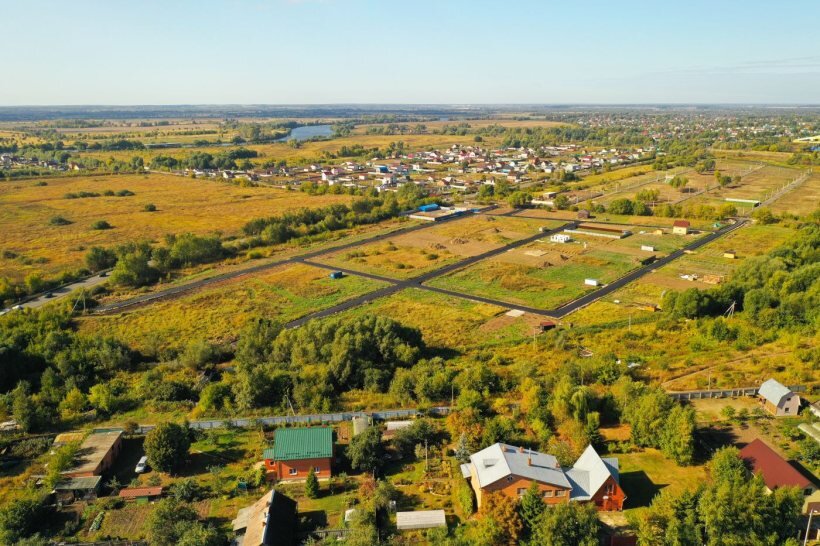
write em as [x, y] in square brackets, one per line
[142, 465]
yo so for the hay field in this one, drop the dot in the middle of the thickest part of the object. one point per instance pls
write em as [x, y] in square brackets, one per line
[183, 205]
[218, 312]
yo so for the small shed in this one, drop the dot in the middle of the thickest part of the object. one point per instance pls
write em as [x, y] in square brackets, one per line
[421, 519]
[83, 488]
[648, 248]
[360, 423]
[778, 399]
[729, 254]
[547, 325]
[560, 238]
[680, 227]
[140, 494]
[591, 282]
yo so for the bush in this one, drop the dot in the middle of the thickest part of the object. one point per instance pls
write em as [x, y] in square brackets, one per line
[150, 207]
[59, 221]
[101, 224]
[99, 259]
[166, 446]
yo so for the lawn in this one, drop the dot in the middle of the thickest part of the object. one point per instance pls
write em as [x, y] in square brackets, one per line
[218, 312]
[644, 474]
[33, 244]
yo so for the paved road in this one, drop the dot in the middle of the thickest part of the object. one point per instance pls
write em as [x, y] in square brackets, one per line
[183, 288]
[63, 291]
[558, 313]
[418, 282]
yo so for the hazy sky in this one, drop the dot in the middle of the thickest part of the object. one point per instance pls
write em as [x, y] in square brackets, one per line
[392, 51]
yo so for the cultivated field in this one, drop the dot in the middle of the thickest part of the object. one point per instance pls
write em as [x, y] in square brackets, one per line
[218, 312]
[27, 210]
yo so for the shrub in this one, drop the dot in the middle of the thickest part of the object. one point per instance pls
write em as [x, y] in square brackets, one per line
[101, 224]
[150, 207]
[59, 221]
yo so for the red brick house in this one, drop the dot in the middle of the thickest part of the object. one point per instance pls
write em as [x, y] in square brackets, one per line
[296, 450]
[511, 470]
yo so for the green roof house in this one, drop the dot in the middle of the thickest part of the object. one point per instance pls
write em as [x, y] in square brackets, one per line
[296, 451]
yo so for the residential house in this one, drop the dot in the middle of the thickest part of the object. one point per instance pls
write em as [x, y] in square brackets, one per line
[296, 450]
[511, 470]
[778, 399]
[680, 227]
[270, 521]
[774, 469]
[96, 454]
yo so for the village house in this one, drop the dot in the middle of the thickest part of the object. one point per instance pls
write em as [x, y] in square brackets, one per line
[511, 470]
[297, 450]
[270, 521]
[774, 469]
[680, 227]
[778, 399]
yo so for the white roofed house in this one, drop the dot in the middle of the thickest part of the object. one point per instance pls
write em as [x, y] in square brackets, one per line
[778, 399]
[511, 470]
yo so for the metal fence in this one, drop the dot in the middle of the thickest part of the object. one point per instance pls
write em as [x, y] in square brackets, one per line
[724, 393]
[315, 418]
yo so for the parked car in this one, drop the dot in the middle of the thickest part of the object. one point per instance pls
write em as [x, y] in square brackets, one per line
[142, 465]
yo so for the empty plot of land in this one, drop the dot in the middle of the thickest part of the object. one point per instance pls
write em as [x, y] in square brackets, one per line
[801, 200]
[402, 257]
[35, 241]
[219, 311]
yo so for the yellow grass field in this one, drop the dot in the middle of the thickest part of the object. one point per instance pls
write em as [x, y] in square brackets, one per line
[218, 312]
[801, 200]
[183, 205]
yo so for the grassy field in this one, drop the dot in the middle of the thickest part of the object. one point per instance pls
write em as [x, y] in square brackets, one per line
[219, 311]
[183, 205]
[391, 259]
[645, 473]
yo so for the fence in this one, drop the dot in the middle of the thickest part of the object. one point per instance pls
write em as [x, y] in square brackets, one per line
[247, 422]
[724, 393]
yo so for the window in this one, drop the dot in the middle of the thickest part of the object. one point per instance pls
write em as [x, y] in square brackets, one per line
[293, 471]
[509, 478]
[610, 488]
[807, 492]
[560, 493]
[316, 469]
[548, 493]
[521, 491]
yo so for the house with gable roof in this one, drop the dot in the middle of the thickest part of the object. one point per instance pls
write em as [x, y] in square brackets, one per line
[511, 470]
[778, 399]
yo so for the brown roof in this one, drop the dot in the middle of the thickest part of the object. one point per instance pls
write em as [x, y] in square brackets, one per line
[681, 223]
[93, 451]
[776, 471]
[135, 492]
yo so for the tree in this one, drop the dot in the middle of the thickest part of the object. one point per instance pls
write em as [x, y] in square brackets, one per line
[500, 522]
[166, 446]
[99, 258]
[73, 403]
[621, 206]
[22, 407]
[20, 518]
[679, 182]
[311, 485]
[570, 524]
[101, 396]
[532, 507]
[519, 199]
[677, 441]
[365, 450]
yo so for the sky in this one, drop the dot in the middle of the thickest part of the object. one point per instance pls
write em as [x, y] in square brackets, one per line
[121, 52]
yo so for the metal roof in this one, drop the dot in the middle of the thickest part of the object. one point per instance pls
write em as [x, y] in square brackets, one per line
[589, 473]
[421, 519]
[78, 484]
[501, 460]
[776, 471]
[302, 443]
[773, 391]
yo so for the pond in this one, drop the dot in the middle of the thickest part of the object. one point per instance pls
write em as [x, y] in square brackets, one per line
[307, 132]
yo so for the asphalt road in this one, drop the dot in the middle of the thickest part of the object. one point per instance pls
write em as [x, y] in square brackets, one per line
[63, 291]
[187, 287]
[560, 312]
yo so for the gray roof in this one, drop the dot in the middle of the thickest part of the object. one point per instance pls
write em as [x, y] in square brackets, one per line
[421, 519]
[78, 484]
[774, 391]
[501, 460]
[589, 473]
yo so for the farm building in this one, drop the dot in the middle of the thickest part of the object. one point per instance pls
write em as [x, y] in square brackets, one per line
[560, 238]
[511, 470]
[680, 227]
[270, 521]
[437, 214]
[778, 399]
[420, 519]
[600, 230]
[96, 454]
[774, 469]
[296, 450]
